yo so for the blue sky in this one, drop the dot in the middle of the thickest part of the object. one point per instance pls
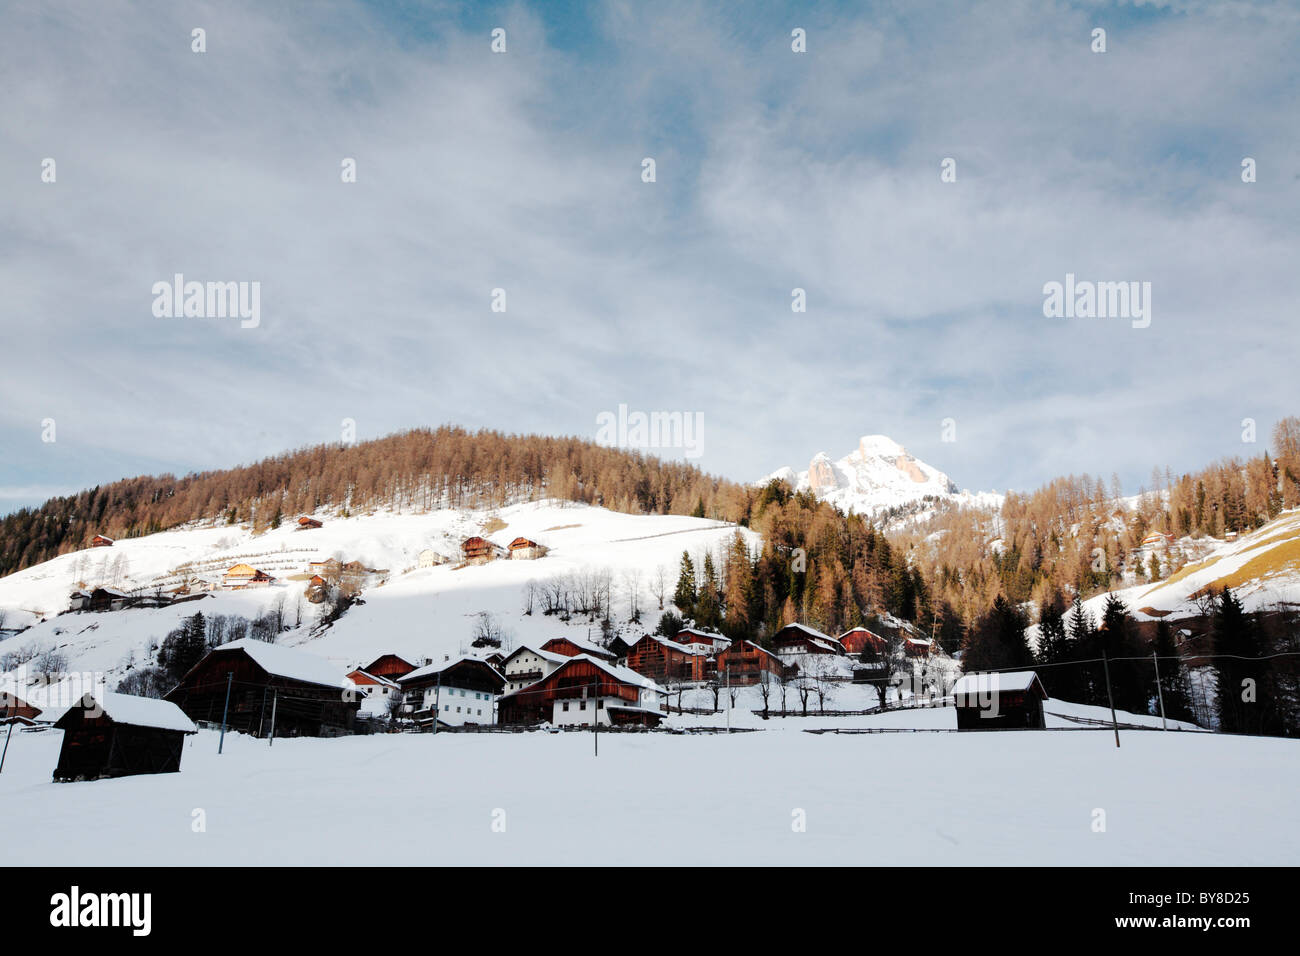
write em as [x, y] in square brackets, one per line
[521, 171]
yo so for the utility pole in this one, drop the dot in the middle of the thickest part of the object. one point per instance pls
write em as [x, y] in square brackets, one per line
[1105, 663]
[1160, 691]
[225, 711]
[275, 699]
[12, 721]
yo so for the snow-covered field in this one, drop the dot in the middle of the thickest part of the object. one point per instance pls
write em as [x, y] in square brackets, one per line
[538, 798]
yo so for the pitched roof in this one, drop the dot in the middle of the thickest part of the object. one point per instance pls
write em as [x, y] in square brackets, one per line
[135, 711]
[994, 682]
[289, 662]
[430, 669]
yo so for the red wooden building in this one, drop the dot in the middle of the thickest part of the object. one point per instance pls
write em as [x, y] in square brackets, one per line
[661, 659]
[585, 691]
[390, 666]
[572, 648]
[744, 663]
[306, 522]
[478, 550]
[101, 541]
[856, 639]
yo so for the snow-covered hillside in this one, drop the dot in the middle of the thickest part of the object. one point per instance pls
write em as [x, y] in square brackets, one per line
[877, 475]
[416, 612]
[1262, 568]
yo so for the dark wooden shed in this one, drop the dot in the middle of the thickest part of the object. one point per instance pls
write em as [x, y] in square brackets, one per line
[117, 735]
[999, 701]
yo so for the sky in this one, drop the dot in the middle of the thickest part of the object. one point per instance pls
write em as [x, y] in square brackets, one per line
[523, 171]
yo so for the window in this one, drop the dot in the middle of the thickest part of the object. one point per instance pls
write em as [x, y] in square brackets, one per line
[566, 705]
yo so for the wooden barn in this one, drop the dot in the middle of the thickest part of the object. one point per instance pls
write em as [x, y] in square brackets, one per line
[661, 659]
[856, 639]
[106, 599]
[117, 735]
[305, 523]
[794, 639]
[304, 694]
[571, 647]
[390, 666]
[526, 549]
[78, 600]
[479, 550]
[744, 663]
[459, 692]
[101, 541]
[584, 691]
[996, 701]
[14, 709]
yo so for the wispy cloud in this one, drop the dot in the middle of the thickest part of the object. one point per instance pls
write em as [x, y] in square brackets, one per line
[522, 171]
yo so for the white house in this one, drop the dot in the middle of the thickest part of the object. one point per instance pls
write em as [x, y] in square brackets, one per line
[463, 691]
[527, 666]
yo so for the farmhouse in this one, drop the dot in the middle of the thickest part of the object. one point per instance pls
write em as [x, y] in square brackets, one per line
[302, 693]
[584, 691]
[526, 549]
[78, 600]
[744, 663]
[100, 541]
[246, 576]
[708, 642]
[526, 666]
[795, 639]
[571, 647]
[459, 692]
[479, 550]
[999, 701]
[305, 523]
[662, 659]
[430, 558]
[117, 735]
[374, 685]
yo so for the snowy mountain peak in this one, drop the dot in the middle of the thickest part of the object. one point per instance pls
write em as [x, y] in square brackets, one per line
[878, 474]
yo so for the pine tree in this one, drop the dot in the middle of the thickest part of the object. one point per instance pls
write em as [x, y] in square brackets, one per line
[1235, 640]
[1129, 679]
[685, 596]
[1173, 676]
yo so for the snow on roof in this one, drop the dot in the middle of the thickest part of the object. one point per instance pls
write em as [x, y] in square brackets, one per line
[140, 711]
[551, 656]
[985, 683]
[812, 631]
[289, 662]
[578, 642]
[374, 677]
[625, 674]
[430, 669]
